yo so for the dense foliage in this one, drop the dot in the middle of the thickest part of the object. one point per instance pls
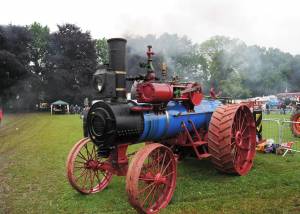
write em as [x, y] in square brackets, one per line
[36, 65]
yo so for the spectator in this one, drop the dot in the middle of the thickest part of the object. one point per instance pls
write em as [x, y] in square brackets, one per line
[72, 109]
[84, 117]
[1, 114]
[77, 109]
[268, 108]
[283, 106]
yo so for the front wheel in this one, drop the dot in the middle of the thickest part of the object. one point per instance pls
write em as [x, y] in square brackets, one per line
[85, 169]
[151, 178]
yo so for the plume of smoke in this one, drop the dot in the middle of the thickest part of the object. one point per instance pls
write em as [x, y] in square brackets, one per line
[261, 71]
[167, 47]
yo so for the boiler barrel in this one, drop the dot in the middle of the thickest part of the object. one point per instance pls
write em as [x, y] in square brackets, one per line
[160, 126]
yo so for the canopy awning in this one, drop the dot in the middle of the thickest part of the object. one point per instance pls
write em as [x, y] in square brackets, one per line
[59, 102]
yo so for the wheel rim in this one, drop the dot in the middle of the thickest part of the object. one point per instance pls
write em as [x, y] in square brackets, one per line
[86, 171]
[151, 178]
[296, 124]
[243, 140]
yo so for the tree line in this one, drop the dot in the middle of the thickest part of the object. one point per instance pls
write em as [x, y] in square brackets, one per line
[38, 65]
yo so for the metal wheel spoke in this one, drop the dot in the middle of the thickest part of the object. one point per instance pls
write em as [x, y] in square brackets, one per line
[166, 167]
[79, 162]
[241, 159]
[162, 164]
[170, 173]
[234, 129]
[87, 151]
[148, 195]
[149, 165]
[85, 179]
[242, 125]
[81, 174]
[237, 119]
[160, 194]
[245, 148]
[92, 153]
[236, 156]
[97, 176]
[143, 190]
[152, 200]
[146, 179]
[233, 150]
[157, 160]
[246, 138]
[81, 156]
[232, 142]
[243, 131]
[92, 179]
[104, 174]
[79, 167]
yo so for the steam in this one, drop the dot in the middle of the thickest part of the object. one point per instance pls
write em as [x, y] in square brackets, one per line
[167, 47]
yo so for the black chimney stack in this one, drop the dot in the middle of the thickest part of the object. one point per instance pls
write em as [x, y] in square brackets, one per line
[117, 64]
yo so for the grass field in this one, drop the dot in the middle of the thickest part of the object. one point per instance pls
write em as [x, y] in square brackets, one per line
[34, 148]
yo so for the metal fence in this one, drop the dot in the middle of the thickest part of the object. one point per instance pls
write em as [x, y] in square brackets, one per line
[287, 135]
[271, 130]
[278, 111]
[279, 131]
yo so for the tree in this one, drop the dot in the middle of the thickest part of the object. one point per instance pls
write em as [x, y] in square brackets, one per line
[14, 65]
[38, 52]
[38, 48]
[102, 51]
[293, 74]
[71, 62]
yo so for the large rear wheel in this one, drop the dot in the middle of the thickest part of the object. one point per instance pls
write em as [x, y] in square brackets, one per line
[232, 139]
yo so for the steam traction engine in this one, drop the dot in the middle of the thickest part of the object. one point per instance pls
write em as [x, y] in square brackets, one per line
[171, 118]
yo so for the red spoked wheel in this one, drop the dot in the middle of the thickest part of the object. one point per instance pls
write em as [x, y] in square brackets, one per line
[295, 125]
[86, 171]
[151, 178]
[232, 139]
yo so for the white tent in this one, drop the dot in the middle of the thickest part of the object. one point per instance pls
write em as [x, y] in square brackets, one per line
[60, 103]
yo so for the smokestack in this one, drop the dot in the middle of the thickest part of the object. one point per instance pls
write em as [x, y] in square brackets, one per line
[117, 64]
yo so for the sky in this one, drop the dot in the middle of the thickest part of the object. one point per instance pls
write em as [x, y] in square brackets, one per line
[269, 23]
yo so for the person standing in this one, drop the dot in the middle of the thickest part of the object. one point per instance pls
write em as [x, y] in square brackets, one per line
[268, 108]
[1, 114]
[283, 107]
[84, 114]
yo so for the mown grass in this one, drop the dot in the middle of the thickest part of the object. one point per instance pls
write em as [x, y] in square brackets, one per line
[34, 148]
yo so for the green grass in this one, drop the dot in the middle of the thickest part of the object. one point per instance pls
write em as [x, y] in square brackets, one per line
[34, 148]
